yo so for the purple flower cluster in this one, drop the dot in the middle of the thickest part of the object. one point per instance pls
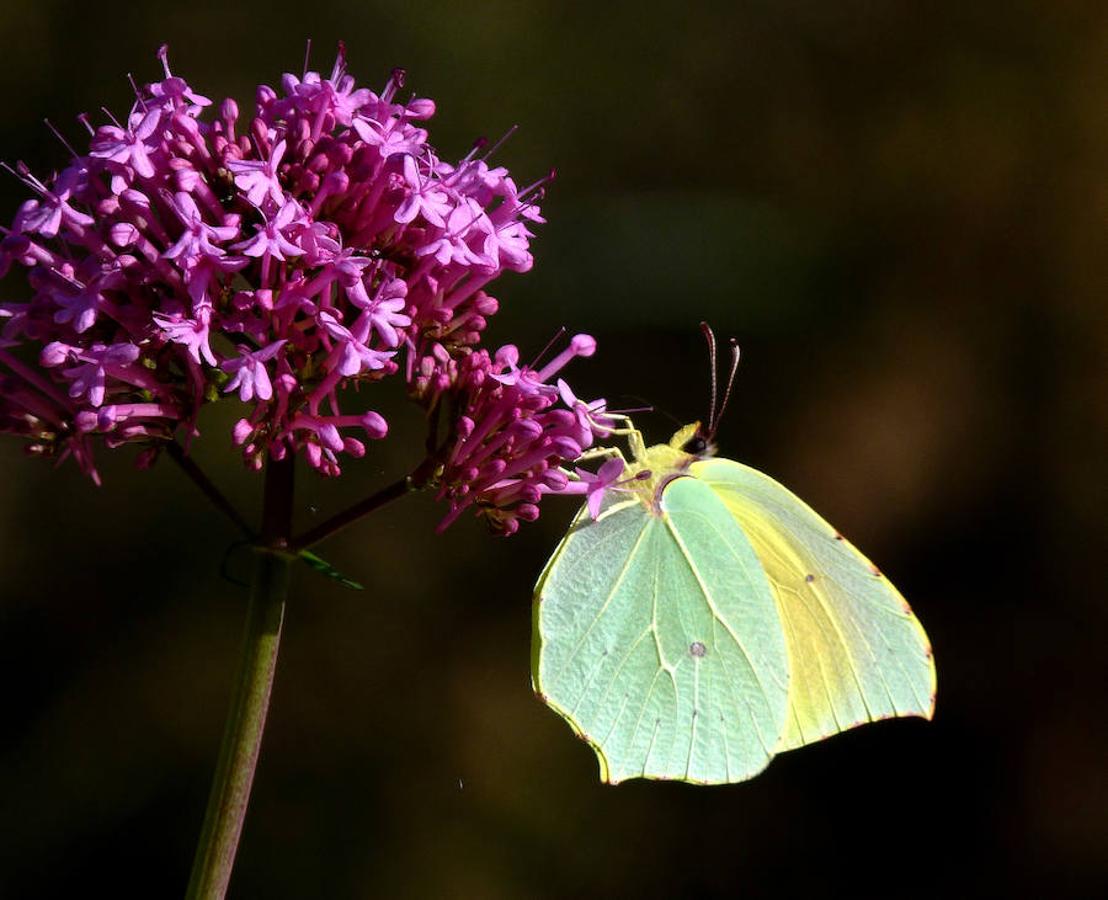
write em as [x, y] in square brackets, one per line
[515, 434]
[317, 245]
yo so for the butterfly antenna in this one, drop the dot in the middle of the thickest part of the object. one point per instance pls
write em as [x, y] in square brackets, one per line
[730, 382]
[710, 337]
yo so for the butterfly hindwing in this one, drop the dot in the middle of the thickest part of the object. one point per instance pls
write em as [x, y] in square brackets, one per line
[657, 637]
[857, 653]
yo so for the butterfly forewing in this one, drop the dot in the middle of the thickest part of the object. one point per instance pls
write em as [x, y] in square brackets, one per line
[856, 652]
[657, 637]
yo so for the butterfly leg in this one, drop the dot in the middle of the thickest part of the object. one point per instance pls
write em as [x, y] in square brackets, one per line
[600, 453]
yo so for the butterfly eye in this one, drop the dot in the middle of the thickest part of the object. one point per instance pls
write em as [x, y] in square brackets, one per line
[695, 445]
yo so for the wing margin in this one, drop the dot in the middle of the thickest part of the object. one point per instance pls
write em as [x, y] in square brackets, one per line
[857, 652]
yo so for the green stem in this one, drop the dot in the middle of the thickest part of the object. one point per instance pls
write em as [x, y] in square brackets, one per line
[242, 737]
[352, 514]
[399, 488]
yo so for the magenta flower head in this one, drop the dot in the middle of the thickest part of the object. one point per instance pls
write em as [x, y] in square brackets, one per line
[194, 254]
[515, 436]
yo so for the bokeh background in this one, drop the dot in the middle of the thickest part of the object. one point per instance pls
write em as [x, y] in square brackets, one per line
[899, 208]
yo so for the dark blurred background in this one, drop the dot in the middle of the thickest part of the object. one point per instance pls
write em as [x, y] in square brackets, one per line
[899, 208]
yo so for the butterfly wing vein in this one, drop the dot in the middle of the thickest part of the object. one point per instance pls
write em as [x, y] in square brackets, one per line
[638, 623]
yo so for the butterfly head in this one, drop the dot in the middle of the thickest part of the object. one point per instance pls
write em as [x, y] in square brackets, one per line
[693, 440]
[654, 467]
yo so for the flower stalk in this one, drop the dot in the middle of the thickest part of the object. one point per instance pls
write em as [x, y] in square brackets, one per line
[188, 465]
[399, 488]
[242, 737]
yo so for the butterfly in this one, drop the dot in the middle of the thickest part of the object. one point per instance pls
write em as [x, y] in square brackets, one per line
[701, 619]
